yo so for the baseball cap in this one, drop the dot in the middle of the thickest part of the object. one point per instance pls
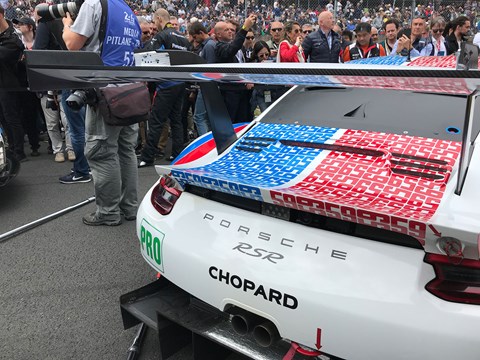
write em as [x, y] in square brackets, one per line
[24, 21]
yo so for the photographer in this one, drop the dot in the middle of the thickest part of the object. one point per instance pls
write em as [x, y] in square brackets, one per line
[11, 49]
[57, 114]
[110, 150]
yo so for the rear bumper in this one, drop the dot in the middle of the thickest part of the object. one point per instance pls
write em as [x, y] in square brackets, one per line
[368, 298]
[182, 320]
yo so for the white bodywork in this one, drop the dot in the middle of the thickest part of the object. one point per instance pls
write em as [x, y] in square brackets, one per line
[372, 305]
[368, 298]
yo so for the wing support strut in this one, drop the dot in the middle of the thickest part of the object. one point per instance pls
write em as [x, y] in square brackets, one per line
[467, 142]
[218, 116]
[220, 122]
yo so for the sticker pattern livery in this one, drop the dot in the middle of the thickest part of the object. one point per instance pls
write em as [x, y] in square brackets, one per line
[260, 159]
[433, 85]
[402, 177]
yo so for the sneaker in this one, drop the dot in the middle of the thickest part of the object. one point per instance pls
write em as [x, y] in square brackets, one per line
[35, 153]
[59, 157]
[73, 179]
[95, 219]
[71, 155]
[142, 164]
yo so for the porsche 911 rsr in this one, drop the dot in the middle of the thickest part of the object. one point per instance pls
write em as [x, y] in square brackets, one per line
[343, 220]
[334, 211]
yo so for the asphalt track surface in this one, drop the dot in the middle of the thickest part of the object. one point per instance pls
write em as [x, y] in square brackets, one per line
[60, 283]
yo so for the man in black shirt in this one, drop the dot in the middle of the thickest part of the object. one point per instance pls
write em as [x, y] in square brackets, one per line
[169, 94]
[11, 50]
[228, 49]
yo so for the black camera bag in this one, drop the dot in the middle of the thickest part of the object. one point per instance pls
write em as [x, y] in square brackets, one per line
[124, 105]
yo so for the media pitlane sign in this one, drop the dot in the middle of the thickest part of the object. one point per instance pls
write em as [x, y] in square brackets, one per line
[151, 243]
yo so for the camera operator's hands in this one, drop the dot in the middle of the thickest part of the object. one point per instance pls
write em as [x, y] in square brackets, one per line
[73, 40]
[250, 21]
[67, 21]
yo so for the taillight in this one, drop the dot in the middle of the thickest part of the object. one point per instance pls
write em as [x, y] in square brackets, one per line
[455, 282]
[165, 194]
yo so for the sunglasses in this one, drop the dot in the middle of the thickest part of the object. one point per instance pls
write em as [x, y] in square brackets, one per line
[249, 37]
[262, 55]
[277, 29]
[307, 31]
[438, 30]
[146, 32]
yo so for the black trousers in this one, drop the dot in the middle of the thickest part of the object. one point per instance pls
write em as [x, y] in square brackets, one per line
[166, 105]
[238, 104]
[187, 105]
[11, 120]
[30, 112]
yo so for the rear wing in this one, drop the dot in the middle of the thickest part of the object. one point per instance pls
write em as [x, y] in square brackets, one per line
[49, 70]
[76, 69]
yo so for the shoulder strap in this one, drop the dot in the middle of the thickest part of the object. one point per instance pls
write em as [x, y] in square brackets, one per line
[51, 27]
[103, 24]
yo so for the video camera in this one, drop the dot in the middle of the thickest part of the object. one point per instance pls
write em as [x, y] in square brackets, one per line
[52, 12]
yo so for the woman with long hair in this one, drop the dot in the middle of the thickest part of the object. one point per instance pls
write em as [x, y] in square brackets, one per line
[264, 95]
[291, 48]
[261, 51]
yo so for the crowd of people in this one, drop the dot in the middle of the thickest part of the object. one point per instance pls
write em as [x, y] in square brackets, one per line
[219, 33]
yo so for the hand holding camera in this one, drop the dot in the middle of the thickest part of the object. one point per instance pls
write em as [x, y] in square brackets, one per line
[67, 21]
[250, 21]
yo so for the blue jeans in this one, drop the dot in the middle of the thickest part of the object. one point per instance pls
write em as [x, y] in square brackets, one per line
[200, 117]
[76, 129]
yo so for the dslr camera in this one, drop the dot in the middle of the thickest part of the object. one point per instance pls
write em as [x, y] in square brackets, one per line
[58, 11]
[51, 102]
[80, 98]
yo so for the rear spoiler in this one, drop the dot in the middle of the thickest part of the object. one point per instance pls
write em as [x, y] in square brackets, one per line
[49, 70]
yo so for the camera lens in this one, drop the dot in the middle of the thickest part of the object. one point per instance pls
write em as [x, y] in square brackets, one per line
[76, 100]
[51, 12]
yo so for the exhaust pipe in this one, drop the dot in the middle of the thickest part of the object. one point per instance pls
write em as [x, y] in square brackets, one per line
[266, 334]
[244, 322]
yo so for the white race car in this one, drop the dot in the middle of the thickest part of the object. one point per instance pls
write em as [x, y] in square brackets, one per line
[344, 220]
[338, 217]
